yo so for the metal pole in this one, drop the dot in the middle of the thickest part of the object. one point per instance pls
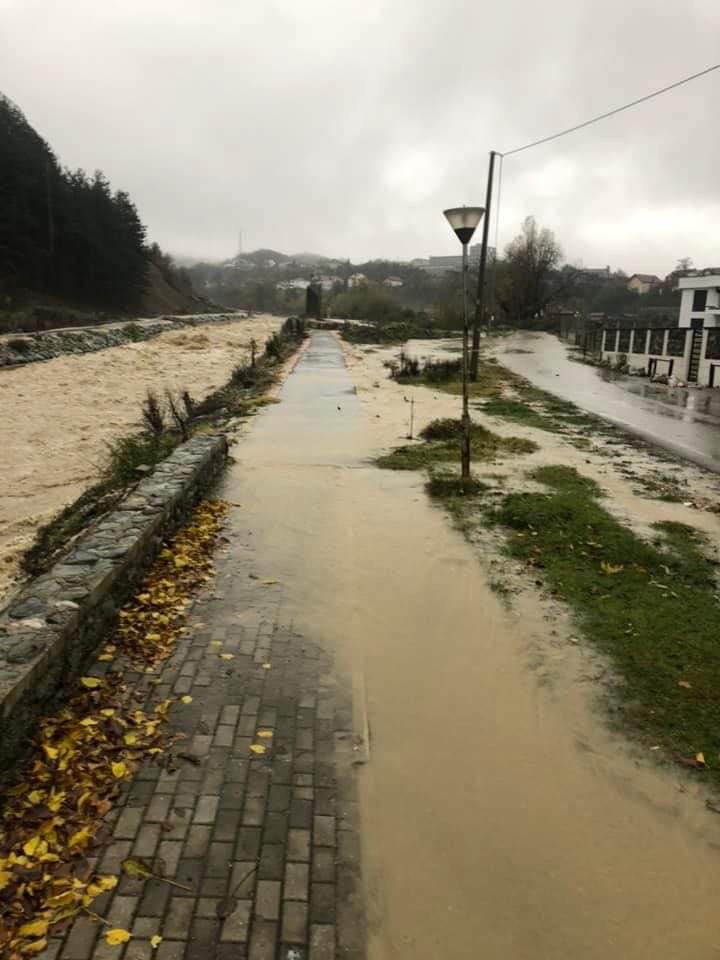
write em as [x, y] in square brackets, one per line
[465, 438]
[475, 360]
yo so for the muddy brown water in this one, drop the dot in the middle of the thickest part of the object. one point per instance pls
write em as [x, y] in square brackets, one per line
[500, 818]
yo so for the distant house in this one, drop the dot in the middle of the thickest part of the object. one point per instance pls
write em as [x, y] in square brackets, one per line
[327, 283]
[297, 284]
[357, 280]
[643, 282]
[392, 282]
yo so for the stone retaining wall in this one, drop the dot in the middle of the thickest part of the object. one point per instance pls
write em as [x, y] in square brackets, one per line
[18, 349]
[52, 627]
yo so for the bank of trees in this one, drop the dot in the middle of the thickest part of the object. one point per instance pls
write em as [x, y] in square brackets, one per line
[62, 232]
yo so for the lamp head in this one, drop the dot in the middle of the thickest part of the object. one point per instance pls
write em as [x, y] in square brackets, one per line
[464, 221]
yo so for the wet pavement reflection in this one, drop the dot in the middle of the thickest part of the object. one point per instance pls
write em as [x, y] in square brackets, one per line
[500, 818]
[685, 422]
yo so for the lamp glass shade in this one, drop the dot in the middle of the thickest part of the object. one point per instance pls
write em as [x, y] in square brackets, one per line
[464, 220]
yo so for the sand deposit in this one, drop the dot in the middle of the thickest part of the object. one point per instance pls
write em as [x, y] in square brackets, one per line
[60, 415]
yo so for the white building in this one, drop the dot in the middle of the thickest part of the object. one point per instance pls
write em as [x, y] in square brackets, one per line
[700, 314]
[689, 351]
[357, 280]
[297, 284]
[392, 282]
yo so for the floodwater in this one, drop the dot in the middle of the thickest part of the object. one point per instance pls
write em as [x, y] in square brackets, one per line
[500, 819]
[686, 422]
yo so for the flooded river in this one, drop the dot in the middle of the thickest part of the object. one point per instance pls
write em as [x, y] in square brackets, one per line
[686, 422]
[500, 819]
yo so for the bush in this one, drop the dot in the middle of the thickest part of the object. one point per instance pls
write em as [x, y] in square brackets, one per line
[127, 454]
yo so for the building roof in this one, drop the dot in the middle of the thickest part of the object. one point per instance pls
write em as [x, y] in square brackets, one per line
[645, 277]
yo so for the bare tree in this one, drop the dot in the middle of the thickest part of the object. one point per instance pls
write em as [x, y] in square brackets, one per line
[528, 279]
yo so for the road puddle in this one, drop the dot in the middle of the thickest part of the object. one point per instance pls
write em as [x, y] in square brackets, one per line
[500, 818]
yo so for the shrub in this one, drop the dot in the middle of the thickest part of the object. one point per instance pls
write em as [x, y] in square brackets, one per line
[153, 415]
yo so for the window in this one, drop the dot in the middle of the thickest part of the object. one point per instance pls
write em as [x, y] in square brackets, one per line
[657, 340]
[712, 350]
[624, 341]
[640, 341]
[699, 300]
[676, 343]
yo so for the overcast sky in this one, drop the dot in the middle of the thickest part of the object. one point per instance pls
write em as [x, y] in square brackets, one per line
[346, 127]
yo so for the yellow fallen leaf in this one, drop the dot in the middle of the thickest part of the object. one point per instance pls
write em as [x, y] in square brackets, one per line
[685, 684]
[88, 722]
[105, 657]
[155, 941]
[186, 699]
[269, 582]
[130, 739]
[5, 878]
[37, 946]
[108, 712]
[50, 752]
[227, 656]
[90, 682]
[700, 759]
[119, 769]
[266, 666]
[610, 568]
[216, 643]
[36, 928]
[117, 936]
[35, 847]
[80, 838]
[257, 748]
[264, 733]
[35, 796]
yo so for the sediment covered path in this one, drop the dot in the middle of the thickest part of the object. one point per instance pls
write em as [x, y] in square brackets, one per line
[498, 817]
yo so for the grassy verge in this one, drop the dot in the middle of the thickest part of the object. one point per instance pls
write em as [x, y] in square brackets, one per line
[130, 457]
[652, 608]
[441, 444]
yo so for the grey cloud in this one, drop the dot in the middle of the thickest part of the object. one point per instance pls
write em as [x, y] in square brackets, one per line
[347, 127]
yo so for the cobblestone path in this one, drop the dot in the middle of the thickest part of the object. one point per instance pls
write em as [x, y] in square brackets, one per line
[268, 844]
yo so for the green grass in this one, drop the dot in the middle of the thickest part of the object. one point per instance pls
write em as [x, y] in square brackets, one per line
[445, 447]
[451, 485]
[652, 608]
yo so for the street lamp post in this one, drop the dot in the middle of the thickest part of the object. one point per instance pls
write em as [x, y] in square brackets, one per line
[464, 221]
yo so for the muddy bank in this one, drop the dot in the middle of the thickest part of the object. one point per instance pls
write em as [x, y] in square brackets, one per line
[501, 818]
[66, 411]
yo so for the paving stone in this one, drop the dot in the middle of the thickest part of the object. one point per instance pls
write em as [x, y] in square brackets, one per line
[296, 881]
[206, 809]
[263, 941]
[178, 918]
[322, 942]
[298, 845]
[235, 927]
[294, 922]
[322, 903]
[248, 843]
[323, 865]
[267, 900]
[324, 831]
[272, 862]
[198, 841]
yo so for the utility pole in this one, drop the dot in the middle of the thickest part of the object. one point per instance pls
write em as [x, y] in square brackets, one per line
[479, 303]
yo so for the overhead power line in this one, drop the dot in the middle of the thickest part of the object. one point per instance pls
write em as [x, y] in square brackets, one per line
[611, 113]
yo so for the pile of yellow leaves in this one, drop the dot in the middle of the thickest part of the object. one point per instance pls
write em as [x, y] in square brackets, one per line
[52, 821]
[151, 623]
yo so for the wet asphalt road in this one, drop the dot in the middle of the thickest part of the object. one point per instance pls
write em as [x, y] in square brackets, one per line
[685, 422]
